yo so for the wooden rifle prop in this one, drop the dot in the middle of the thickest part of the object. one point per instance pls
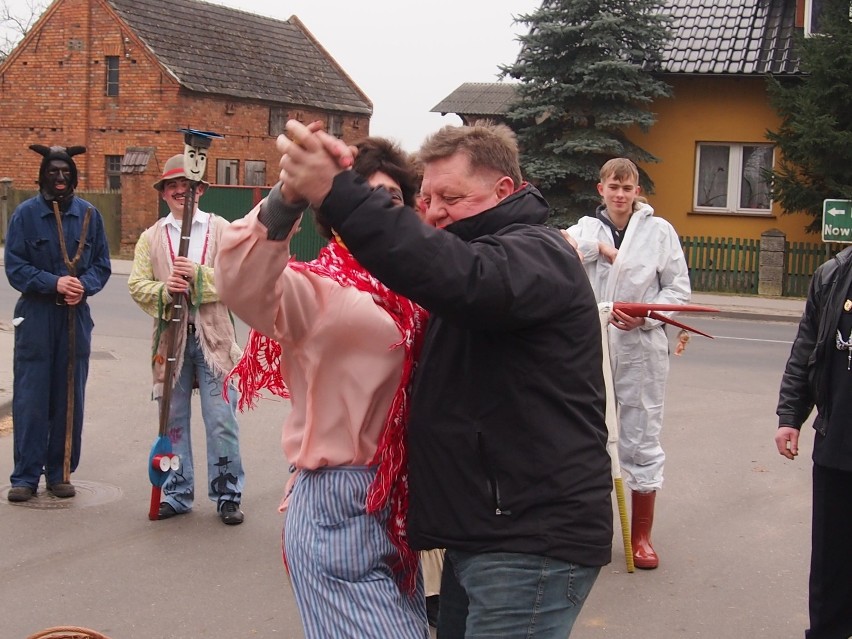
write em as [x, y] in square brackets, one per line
[162, 461]
[653, 311]
[71, 266]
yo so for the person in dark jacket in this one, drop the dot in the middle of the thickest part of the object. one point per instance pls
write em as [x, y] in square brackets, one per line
[507, 439]
[47, 233]
[819, 373]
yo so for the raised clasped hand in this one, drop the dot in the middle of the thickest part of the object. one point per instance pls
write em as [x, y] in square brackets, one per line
[310, 159]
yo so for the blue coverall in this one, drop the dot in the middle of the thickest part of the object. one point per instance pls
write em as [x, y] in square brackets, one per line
[34, 264]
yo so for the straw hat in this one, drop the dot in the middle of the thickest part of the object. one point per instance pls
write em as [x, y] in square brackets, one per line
[173, 170]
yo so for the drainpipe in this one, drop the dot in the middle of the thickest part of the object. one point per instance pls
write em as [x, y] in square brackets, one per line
[5, 187]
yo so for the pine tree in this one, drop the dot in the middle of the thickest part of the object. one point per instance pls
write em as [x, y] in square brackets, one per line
[587, 73]
[815, 135]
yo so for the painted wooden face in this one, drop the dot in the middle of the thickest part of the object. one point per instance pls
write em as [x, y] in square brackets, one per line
[194, 162]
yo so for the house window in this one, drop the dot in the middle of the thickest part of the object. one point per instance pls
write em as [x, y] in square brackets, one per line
[813, 13]
[731, 178]
[277, 120]
[335, 125]
[227, 171]
[255, 173]
[112, 75]
[113, 171]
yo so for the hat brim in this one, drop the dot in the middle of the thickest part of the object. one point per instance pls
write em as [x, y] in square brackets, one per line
[158, 185]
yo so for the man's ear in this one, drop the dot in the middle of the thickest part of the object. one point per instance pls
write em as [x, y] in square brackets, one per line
[600, 189]
[505, 187]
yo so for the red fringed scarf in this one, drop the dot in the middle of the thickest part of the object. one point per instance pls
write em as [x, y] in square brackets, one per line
[260, 367]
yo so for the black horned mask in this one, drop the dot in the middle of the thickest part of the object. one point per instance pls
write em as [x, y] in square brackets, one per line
[49, 187]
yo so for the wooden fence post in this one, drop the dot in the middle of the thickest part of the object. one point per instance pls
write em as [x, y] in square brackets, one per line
[773, 263]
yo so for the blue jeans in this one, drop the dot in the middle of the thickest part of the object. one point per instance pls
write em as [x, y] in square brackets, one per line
[224, 467]
[511, 595]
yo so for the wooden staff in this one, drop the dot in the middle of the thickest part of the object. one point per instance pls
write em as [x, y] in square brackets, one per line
[178, 309]
[71, 265]
[162, 460]
[605, 312]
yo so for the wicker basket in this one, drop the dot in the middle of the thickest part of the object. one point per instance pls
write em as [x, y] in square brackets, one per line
[67, 632]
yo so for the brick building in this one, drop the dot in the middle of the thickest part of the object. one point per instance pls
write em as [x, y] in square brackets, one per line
[121, 76]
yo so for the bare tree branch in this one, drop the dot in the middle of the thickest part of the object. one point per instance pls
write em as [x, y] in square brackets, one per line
[16, 19]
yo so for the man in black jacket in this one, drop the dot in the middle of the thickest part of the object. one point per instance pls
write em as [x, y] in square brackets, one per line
[507, 440]
[819, 373]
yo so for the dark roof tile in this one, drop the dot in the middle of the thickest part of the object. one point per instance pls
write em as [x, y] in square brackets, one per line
[721, 37]
[480, 98]
[214, 49]
[718, 31]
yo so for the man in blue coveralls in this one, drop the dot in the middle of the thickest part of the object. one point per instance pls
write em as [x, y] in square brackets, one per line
[37, 265]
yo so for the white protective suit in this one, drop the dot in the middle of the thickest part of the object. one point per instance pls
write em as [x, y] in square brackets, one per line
[650, 267]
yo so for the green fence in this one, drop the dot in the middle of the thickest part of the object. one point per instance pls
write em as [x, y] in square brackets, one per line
[731, 265]
[722, 265]
[802, 261]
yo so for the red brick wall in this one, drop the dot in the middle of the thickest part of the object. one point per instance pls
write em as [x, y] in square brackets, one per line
[53, 91]
[139, 208]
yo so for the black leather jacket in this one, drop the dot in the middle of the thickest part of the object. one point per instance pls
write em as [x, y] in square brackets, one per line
[506, 434]
[802, 386]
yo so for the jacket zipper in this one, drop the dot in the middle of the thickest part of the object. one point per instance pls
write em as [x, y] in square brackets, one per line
[492, 480]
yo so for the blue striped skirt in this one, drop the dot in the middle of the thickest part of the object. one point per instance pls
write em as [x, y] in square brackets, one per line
[340, 561]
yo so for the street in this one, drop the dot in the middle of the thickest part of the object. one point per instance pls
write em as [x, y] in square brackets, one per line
[732, 524]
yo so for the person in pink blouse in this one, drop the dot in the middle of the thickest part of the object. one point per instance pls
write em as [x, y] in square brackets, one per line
[342, 347]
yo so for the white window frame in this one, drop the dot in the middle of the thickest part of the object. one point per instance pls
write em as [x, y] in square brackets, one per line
[733, 180]
[810, 18]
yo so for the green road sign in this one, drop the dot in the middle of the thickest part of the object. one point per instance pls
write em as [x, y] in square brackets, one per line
[837, 221]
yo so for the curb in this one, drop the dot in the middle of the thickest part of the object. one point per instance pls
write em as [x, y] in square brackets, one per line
[762, 316]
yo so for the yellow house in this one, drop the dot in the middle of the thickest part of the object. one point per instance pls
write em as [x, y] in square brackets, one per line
[710, 136]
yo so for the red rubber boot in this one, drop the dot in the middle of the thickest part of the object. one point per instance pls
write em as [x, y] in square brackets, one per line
[640, 530]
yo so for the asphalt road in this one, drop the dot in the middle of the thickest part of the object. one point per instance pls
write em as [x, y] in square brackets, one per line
[732, 525]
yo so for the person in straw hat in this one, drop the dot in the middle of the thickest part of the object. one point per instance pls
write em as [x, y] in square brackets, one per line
[207, 347]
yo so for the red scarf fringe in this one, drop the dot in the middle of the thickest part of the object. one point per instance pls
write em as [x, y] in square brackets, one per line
[260, 367]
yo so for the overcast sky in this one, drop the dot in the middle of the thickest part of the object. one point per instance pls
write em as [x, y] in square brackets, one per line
[406, 55]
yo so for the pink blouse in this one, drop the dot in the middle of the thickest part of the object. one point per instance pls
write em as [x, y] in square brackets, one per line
[337, 356]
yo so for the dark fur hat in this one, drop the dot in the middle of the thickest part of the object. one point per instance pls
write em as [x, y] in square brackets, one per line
[57, 153]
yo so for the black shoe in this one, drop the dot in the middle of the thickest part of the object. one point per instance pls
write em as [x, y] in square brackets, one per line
[63, 490]
[20, 493]
[167, 511]
[231, 514]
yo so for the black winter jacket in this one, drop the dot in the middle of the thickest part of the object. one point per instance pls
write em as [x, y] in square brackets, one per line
[802, 386]
[506, 435]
